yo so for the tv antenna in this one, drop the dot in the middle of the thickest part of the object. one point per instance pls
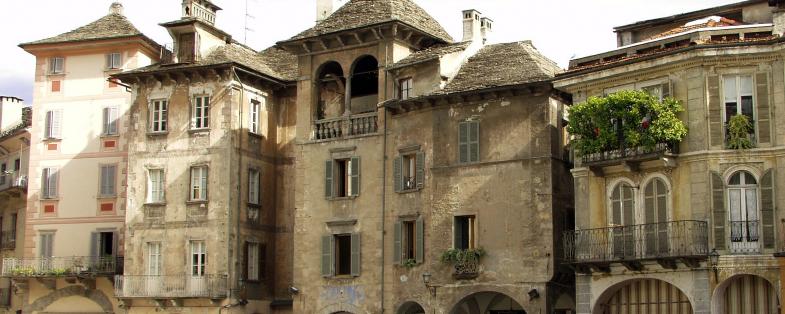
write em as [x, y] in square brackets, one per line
[248, 17]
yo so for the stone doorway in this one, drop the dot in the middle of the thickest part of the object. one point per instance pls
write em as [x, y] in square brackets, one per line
[487, 302]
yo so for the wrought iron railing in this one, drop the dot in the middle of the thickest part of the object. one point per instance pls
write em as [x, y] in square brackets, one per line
[62, 266]
[745, 236]
[166, 53]
[354, 125]
[171, 286]
[12, 179]
[409, 183]
[629, 153]
[686, 238]
[8, 239]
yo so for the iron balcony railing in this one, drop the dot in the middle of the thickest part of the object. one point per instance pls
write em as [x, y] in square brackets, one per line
[673, 239]
[629, 154]
[343, 127]
[171, 286]
[8, 240]
[62, 266]
[745, 236]
[11, 180]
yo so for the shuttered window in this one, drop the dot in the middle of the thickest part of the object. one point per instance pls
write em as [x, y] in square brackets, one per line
[198, 183]
[342, 178]
[252, 261]
[469, 142]
[738, 98]
[718, 210]
[405, 88]
[56, 65]
[46, 242]
[623, 214]
[154, 259]
[762, 105]
[198, 258]
[200, 113]
[254, 113]
[49, 183]
[114, 61]
[108, 180]
[655, 202]
[464, 233]
[54, 124]
[409, 241]
[253, 186]
[743, 214]
[159, 114]
[409, 171]
[155, 186]
[341, 255]
[110, 121]
[767, 208]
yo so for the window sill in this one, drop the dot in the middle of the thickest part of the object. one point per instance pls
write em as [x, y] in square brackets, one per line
[110, 135]
[55, 74]
[51, 140]
[54, 199]
[409, 191]
[255, 135]
[199, 131]
[106, 197]
[155, 134]
[197, 202]
[113, 70]
[341, 277]
[343, 198]
[156, 204]
[254, 205]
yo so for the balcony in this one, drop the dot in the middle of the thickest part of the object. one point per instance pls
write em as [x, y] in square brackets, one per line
[8, 240]
[13, 181]
[631, 156]
[171, 287]
[467, 269]
[74, 266]
[346, 127]
[595, 249]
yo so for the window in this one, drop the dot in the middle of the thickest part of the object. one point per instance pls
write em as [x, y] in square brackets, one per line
[253, 186]
[54, 124]
[154, 261]
[623, 214]
[114, 61]
[743, 212]
[56, 65]
[12, 236]
[409, 241]
[199, 183]
[253, 215]
[464, 232]
[103, 244]
[155, 186]
[341, 255]
[200, 118]
[405, 88]
[342, 177]
[158, 115]
[198, 258]
[186, 50]
[49, 183]
[17, 165]
[737, 90]
[3, 173]
[469, 142]
[253, 261]
[46, 244]
[108, 180]
[409, 171]
[655, 205]
[254, 113]
[110, 121]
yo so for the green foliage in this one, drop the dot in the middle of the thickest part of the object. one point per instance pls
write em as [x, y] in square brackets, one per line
[58, 271]
[409, 263]
[739, 130]
[23, 271]
[455, 256]
[591, 122]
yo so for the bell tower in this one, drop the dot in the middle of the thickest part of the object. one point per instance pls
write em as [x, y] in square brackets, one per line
[203, 10]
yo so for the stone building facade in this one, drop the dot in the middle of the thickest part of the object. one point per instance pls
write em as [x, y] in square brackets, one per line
[71, 242]
[649, 225]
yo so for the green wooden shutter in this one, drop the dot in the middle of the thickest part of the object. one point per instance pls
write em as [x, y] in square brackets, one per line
[420, 175]
[767, 209]
[419, 252]
[474, 141]
[397, 243]
[328, 179]
[719, 214]
[355, 176]
[763, 107]
[716, 125]
[463, 142]
[398, 173]
[328, 244]
[356, 254]
[666, 89]
[95, 247]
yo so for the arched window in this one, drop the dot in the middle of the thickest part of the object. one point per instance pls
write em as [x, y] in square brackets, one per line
[331, 91]
[622, 218]
[365, 85]
[655, 207]
[743, 212]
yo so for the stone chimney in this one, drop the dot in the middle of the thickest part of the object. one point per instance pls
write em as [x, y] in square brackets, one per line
[324, 8]
[778, 17]
[116, 8]
[472, 31]
[486, 26]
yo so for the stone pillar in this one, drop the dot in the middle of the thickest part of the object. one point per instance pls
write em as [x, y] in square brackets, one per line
[583, 295]
[347, 108]
[781, 261]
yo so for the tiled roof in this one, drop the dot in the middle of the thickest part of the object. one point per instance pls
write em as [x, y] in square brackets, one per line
[502, 65]
[27, 121]
[282, 62]
[430, 54]
[110, 26]
[718, 10]
[361, 13]
[714, 21]
[267, 62]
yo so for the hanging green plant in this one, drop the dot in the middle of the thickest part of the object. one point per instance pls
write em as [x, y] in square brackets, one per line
[455, 256]
[739, 132]
[645, 121]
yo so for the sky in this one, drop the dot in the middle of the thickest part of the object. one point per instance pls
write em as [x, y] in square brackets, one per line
[561, 30]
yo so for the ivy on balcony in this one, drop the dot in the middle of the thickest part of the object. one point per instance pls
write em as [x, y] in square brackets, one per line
[624, 120]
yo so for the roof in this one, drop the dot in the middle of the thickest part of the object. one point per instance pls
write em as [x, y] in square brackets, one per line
[709, 22]
[686, 16]
[500, 65]
[110, 26]
[27, 122]
[273, 62]
[360, 13]
[431, 53]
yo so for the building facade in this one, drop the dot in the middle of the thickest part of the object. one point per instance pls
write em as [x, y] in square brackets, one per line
[688, 226]
[74, 219]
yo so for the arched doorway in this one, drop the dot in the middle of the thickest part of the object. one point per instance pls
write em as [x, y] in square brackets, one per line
[411, 308]
[365, 85]
[745, 294]
[644, 296]
[487, 302]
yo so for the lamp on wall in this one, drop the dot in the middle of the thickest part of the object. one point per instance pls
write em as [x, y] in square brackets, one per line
[714, 260]
[426, 279]
[533, 294]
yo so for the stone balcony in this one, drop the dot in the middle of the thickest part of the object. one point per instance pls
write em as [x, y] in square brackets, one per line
[630, 157]
[346, 127]
[13, 181]
[171, 286]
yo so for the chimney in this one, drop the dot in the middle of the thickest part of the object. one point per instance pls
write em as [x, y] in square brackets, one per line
[116, 8]
[323, 9]
[486, 28]
[778, 17]
[471, 25]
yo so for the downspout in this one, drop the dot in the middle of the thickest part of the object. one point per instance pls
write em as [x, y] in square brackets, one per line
[239, 184]
[384, 170]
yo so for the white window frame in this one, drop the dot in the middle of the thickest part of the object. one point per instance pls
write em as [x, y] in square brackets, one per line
[159, 114]
[56, 65]
[154, 259]
[53, 128]
[199, 184]
[252, 261]
[108, 180]
[200, 113]
[255, 113]
[114, 61]
[738, 98]
[110, 119]
[254, 191]
[156, 189]
[406, 86]
[198, 258]
[48, 191]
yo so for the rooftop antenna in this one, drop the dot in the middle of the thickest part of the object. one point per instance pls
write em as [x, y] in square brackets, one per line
[248, 16]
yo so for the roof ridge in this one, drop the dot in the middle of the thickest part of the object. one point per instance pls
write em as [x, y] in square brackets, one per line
[111, 25]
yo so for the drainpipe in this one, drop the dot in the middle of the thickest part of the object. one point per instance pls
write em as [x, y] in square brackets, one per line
[384, 170]
[236, 281]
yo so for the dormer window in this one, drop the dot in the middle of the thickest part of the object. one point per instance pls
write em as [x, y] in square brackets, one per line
[187, 45]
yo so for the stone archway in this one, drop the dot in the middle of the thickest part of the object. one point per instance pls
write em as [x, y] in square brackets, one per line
[95, 296]
[410, 307]
[745, 294]
[643, 296]
[487, 302]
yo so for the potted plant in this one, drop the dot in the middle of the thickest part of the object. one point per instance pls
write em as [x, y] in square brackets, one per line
[465, 261]
[740, 132]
